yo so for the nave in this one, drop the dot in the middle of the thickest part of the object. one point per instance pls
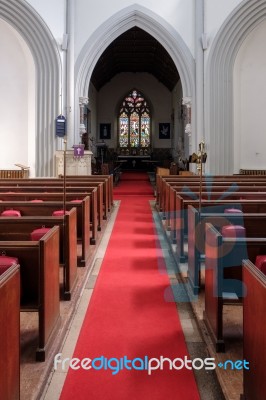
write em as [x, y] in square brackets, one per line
[152, 329]
[132, 259]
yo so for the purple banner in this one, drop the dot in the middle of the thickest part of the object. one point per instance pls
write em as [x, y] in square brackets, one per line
[78, 150]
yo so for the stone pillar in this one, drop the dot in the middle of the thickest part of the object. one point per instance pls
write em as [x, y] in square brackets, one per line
[83, 101]
[186, 101]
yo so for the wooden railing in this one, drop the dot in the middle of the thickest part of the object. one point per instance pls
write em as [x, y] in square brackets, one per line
[253, 171]
[15, 173]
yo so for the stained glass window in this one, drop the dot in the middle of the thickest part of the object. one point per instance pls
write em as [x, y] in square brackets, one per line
[134, 121]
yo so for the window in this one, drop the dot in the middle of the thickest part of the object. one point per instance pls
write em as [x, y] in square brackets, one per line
[134, 122]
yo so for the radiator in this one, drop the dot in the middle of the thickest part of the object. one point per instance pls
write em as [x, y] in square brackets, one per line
[253, 171]
[13, 174]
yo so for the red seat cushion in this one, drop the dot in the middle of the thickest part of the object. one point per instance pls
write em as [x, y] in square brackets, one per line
[6, 262]
[261, 263]
[233, 231]
[59, 213]
[11, 213]
[36, 201]
[232, 210]
[76, 201]
[37, 234]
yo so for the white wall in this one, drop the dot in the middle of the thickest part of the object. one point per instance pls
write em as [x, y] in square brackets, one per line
[110, 96]
[17, 100]
[53, 13]
[178, 13]
[216, 11]
[250, 102]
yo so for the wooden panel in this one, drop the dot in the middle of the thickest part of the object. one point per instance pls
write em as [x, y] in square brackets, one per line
[10, 334]
[254, 337]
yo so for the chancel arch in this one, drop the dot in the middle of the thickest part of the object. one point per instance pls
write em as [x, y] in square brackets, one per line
[121, 22]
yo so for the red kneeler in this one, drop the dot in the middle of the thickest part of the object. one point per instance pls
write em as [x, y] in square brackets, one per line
[11, 213]
[232, 210]
[59, 213]
[233, 231]
[37, 234]
[261, 263]
[6, 262]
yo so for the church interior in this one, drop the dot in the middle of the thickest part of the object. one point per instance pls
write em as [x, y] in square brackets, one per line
[132, 195]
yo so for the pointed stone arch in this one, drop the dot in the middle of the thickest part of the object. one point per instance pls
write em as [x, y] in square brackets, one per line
[119, 23]
[46, 58]
[219, 83]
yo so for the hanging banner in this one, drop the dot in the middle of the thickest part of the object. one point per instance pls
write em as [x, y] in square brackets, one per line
[60, 126]
[78, 150]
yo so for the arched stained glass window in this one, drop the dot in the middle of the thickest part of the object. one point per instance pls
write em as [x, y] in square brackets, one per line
[134, 122]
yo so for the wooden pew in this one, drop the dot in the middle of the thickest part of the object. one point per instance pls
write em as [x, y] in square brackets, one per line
[78, 192]
[207, 180]
[10, 334]
[19, 229]
[58, 197]
[39, 271]
[170, 191]
[255, 225]
[46, 208]
[254, 338]
[71, 181]
[218, 195]
[179, 221]
[223, 275]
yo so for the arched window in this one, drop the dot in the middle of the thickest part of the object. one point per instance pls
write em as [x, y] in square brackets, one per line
[134, 122]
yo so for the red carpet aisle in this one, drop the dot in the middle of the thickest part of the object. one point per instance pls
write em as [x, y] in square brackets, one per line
[128, 316]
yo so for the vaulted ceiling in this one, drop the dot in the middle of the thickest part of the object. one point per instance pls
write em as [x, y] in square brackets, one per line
[135, 51]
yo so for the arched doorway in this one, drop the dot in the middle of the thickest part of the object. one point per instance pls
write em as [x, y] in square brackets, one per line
[45, 84]
[219, 106]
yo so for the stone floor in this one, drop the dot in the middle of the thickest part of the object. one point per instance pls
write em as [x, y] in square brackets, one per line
[230, 381]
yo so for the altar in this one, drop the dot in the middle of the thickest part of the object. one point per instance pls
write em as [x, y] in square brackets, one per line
[75, 165]
[133, 161]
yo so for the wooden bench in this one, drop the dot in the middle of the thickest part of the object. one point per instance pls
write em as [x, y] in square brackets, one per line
[58, 197]
[223, 276]
[179, 221]
[10, 333]
[168, 198]
[46, 208]
[254, 338]
[164, 183]
[71, 181]
[39, 271]
[187, 181]
[254, 224]
[19, 229]
[71, 194]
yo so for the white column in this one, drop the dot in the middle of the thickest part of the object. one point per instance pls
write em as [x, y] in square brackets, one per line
[70, 73]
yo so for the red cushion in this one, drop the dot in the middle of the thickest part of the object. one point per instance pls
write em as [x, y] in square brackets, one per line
[6, 262]
[37, 234]
[11, 213]
[261, 263]
[76, 201]
[232, 210]
[233, 231]
[59, 213]
[36, 201]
